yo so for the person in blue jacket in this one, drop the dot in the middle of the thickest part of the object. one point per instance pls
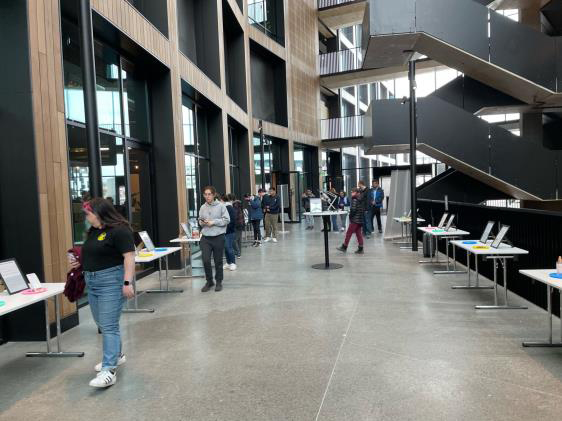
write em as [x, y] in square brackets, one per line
[272, 207]
[256, 215]
[376, 201]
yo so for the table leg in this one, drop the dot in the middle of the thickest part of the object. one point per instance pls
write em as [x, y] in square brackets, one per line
[506, 305]
[168, 289]
[185, 275]
[59, 352]
[326, 265]
[448, 271]
[549, 344]
[469, 285]
[135, 299]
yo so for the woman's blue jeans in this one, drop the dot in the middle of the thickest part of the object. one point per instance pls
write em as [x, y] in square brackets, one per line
[105, 295]
[229, 247]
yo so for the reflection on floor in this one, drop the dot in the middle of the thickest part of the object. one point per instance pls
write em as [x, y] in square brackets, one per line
[380, 339]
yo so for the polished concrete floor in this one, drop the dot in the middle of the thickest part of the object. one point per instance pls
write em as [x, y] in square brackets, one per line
[381, 339]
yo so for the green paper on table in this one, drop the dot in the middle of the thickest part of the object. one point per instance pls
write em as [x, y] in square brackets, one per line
[438, 231]
[2, 303]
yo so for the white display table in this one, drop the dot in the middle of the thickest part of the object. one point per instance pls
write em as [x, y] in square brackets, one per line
[156, 255]
[325, 216]
[543, 275]
[498, 255]
[19, 301]
[440, 233]
[405, 222]
[187, 242]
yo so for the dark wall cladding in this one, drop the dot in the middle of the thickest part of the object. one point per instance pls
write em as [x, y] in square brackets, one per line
[530, 230]
[392, 16]
[156, 11]
[235, 62]
[269, 87]
[455, 133]
[523, 50]
[463, 24]
[391, 123]
[198, 35]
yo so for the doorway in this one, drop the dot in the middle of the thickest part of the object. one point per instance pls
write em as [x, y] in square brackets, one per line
[140, 191]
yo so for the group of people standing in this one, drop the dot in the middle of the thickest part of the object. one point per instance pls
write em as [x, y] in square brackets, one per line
[266, 207]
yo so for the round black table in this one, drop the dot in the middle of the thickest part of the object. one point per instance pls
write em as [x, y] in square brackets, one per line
[326, 218]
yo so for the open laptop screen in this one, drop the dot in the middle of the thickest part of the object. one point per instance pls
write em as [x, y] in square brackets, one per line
[443, 219]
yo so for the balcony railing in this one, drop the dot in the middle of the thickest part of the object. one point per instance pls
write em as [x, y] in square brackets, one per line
[341, 61]
[342, 128]
[322, 4]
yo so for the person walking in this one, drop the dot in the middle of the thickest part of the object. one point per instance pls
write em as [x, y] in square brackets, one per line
[108, 263]
[256, 216]
[309, 219]
[213, 219]
[272, 208]
[343, 204]
[377, 198]
[230, 235]
[240, 227]
[356, 218]
[367, 228]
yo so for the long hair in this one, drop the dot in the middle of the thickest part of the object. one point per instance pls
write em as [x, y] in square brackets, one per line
[106, 213]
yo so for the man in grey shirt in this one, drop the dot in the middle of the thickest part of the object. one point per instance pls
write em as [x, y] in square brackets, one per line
[213, 218]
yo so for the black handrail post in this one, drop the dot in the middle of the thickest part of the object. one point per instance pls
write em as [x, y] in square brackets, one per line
[90, 103]
[413, 140]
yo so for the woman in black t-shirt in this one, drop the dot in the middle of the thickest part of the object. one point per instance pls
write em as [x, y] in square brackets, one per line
[108, 261]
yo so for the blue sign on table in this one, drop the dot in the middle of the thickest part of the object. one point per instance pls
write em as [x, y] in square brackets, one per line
[556, 275]
[161, 249]
[470, 242]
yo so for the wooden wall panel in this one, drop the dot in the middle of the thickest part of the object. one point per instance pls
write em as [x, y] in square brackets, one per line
[50, 139]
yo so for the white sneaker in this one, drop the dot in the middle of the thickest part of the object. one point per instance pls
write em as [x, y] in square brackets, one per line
[267, 240]
[104, 379]
[122, 360]
[274, 239]
[232, 266]
[225, 266]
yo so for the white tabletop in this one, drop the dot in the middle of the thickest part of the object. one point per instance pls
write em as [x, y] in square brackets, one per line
[17, 301]
[185, 240]
[543, 275]
[326, 213]
[503, 249]
[452, 232]
[156, 255]
[406, 219]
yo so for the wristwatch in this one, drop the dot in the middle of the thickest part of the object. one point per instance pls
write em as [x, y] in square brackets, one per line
[126, 283]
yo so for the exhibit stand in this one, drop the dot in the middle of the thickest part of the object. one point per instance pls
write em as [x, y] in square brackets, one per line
[552, 280]
[149, 257]
[499, 256]
[23, 299]
[187, 242]
[326, 215]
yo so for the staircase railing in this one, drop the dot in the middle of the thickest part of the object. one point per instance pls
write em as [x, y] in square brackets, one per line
[341, 61]
[342, 127]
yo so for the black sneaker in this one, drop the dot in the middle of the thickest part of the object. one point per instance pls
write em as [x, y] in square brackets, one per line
[207, 287]
[342, 248]
[359, 250]
[218, 288]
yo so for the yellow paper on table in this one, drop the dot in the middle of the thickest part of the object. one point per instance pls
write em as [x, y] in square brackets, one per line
[481, 247]
[146, 254]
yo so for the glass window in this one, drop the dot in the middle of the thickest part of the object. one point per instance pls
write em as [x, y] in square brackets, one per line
[107, 89]
[135, 103]
[73, 86]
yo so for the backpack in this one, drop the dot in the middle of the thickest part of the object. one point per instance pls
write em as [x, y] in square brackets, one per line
[240, 221]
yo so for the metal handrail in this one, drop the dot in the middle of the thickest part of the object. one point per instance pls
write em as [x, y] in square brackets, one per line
[323, 4]
[342, 127]
[341, 61]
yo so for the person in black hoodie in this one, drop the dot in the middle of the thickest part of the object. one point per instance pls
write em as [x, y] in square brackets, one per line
[365, 193]
[356, 217]
[230, 235]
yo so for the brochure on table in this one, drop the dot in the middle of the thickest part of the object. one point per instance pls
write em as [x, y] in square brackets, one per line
[498, 240]
[443, 219]
[13, 277]
[487, 232]
[315, 205]
[146, 240]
